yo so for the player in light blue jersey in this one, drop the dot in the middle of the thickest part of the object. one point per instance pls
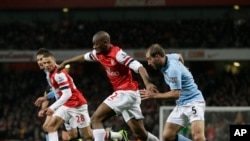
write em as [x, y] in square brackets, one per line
[190, 104]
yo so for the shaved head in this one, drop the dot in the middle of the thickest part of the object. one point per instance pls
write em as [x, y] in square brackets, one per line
[102, 36]
[101, 42]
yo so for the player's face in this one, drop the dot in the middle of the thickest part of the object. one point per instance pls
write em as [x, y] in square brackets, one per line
[154, 62]
[99, 45]
[49, 63]
[39, 59]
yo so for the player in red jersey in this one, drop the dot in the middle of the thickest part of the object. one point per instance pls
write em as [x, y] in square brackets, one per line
[70, 107]
[125, 99]
[49, 94]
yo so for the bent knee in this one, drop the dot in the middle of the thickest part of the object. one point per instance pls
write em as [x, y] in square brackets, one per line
[199, 137]
[169, 136]
[45, 127]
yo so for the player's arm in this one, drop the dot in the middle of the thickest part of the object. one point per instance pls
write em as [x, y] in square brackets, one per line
[64, 87]
[76, 59]
[170, 95]
[145, 77]
[137, 67]
[174, 76]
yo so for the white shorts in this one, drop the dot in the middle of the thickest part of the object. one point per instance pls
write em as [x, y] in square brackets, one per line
[74, 117]
[183, 114]
[126, 103]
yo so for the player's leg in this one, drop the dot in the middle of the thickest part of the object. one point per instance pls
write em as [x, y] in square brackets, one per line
[132, 114]
[137, 127]
[65, 135]
[196, 116]
[45, 125]
[102, 113]
[197, 130]
[58, 118]
[68, 132]
[134, 119]
[170, 132]
[54, 124]
[175, 122]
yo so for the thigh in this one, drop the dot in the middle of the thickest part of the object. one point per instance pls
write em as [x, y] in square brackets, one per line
[177, 116]
[121, 100]
[87, 132]
[102, 113]
[79, 117]
[55, 123]
[194, 111]
[63, 113]
[198, 127]
[171, 130]
[47, 120]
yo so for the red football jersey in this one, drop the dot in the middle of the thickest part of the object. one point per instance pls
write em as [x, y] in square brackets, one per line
[63, 80]
[116, 65]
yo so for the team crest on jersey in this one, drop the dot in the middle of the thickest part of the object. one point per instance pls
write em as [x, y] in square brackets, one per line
[173, 79]
[60, 79]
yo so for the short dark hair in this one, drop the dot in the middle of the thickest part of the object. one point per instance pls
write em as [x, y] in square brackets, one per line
[41, 51]
[155, 49]
[48, 54]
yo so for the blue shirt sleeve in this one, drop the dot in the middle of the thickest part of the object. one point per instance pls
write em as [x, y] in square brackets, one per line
[50, 95]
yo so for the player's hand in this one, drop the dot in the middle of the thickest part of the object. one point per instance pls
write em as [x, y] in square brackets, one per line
[152, 87]
[147, 94]
[40, 100]
[41, 113]
[61, 66]
[49, 112]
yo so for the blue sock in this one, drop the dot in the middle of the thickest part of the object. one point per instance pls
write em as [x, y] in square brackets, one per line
[180, 137]
[46, 137]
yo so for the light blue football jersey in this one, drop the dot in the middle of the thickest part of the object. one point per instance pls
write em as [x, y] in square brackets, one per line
[177, 76]
[52, 89]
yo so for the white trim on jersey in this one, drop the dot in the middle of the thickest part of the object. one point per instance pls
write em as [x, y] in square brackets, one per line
[66, 92]
[123, 58]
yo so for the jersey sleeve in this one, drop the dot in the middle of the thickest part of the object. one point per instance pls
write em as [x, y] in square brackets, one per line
[90, 56]
[123, 58]
[63, 83]
[174, 75]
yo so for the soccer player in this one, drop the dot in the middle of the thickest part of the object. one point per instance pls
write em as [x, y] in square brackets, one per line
[190, 106]
[44, 101]
[125, 99]
[70, 106]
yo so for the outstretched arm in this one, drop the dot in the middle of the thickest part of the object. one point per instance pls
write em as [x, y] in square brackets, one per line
[76, 59]
[170, 95]
[145, 77]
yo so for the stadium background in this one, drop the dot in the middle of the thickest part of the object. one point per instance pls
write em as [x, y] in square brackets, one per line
[212, 35]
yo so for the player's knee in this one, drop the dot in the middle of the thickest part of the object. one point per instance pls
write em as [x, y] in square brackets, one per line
[73, 135]
[168, 136]
[87, 136]
[140, 133]
[65, 137]
[198, 137]
[45, 127]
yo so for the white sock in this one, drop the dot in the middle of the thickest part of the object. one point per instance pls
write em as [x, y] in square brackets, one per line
[99, 134]
[53, 136]
[152, 137]
[114, 135]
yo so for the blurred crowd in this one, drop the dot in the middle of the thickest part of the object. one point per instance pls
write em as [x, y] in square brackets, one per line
[77, 34]
[20, 88]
